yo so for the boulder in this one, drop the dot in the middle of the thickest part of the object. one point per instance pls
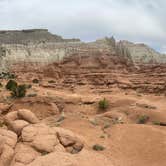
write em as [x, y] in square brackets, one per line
[11, 116]
[28, 133]
[45, 143]
[72, 142]
[18, 125]
[6, 156]
[9, 137]
[41, 137]
[66, 140]
[28, 116]
[25, 154]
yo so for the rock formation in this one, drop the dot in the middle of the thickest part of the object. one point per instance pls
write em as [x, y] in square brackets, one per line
[30, 36]
[142, 54]
[103, 63]
[39, 47]
[60, 122]
[27, 142]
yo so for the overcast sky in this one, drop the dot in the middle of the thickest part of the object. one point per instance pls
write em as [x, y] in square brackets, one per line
[133, 20]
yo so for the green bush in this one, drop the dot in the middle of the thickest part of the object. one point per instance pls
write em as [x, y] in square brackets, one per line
[156, 123]
[98, 147]
[103, 104]
[51, 81]
[36, 81]
[19, 91]
[143, 119]
[11, 85]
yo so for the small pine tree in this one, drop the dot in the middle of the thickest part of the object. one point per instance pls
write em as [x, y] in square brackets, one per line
[11, 85]
[20, 91]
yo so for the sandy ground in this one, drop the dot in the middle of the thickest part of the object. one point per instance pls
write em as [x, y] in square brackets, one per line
[126, 142]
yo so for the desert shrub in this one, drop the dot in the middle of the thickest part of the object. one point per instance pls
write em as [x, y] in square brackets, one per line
[11, 76]
[19, 91]
[11, 85]
[143, 119]
[1, 85]
[35, 81]
[7, 75]
[32, 95]
[98, 147]
[157, 123]
[103, 104]
[51, 81]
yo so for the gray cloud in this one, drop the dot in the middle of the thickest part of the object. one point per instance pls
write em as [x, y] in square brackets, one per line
[134, 20]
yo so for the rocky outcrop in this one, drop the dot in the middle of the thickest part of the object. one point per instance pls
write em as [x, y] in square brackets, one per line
[30, 36]
[39, 47]
[28, 142]
[143, 54]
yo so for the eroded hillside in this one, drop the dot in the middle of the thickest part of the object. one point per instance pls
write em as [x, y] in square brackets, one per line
[72, 103]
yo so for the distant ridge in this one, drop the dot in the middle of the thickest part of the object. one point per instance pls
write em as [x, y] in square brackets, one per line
[29, 36]
[39, 46]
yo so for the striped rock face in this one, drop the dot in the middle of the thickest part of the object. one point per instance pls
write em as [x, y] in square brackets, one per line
[39, 47]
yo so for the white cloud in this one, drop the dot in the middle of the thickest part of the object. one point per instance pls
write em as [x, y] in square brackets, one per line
[135, 20]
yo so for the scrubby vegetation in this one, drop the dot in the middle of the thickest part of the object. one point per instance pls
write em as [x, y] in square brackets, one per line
[20, 91]
[159, 123]
[156, 123]
[98, 147]
[11, 85]
[103, 104]
[17, 90]
[1, 85]
[143, 119]
[35, 81]
[51, 81]
[32, 95]
[7, 75]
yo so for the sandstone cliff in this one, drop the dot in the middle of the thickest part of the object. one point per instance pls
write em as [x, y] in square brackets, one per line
[39, 47]
[143, 54]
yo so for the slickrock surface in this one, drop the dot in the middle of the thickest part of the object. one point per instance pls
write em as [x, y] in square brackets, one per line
[38, 144]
